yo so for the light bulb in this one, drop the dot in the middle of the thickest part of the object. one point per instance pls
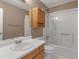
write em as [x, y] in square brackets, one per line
[28, 1]
[56, 18]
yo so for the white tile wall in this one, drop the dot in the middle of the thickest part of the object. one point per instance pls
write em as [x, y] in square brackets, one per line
[63, 28]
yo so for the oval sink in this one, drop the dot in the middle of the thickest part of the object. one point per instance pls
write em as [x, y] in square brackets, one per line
[21, 47]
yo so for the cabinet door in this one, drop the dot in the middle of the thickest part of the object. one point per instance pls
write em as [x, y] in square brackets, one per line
[33, 14]
[40, 55]
[41, 18]
[37, 17]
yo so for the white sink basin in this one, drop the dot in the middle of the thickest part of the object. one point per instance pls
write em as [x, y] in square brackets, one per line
[21, 47]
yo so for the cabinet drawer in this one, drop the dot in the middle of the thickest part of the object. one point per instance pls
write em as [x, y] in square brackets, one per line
[40, 55]
[41, 48]
[35, 52]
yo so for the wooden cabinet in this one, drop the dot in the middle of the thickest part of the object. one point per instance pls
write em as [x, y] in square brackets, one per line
[37, 17]
[32, 54]
[40, 55]
[36, 54]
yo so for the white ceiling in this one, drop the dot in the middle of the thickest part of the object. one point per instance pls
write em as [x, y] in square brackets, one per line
[48, 3]
[51, 3]
[18, 3]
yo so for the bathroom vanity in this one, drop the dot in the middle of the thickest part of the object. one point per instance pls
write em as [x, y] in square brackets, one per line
[36, 50]
[36, 54]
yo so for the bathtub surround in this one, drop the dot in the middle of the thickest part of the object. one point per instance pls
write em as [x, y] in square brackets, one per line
[63, 53]
[60, 9]
[64, 29]
[66, 6]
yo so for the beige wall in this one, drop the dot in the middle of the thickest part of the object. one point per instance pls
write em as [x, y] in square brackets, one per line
[70, 5]
[13, 20]
[37, 32]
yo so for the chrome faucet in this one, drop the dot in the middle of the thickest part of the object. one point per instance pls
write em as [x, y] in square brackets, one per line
[18, 41]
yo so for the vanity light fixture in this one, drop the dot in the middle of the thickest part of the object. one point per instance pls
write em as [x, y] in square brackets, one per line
[28, 1]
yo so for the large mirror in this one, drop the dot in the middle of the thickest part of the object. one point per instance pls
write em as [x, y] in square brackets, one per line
[1, 23]
[12, 20]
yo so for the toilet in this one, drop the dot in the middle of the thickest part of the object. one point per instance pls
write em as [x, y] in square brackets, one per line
[48, 50]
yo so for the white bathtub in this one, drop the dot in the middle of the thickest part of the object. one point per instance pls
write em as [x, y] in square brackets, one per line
[63, 53]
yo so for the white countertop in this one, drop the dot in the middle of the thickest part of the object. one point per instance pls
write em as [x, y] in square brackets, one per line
[7, 53]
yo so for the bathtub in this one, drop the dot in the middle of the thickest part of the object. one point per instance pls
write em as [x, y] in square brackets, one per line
[61, 52]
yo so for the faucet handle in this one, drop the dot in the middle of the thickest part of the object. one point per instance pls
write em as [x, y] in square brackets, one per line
[18, 41]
